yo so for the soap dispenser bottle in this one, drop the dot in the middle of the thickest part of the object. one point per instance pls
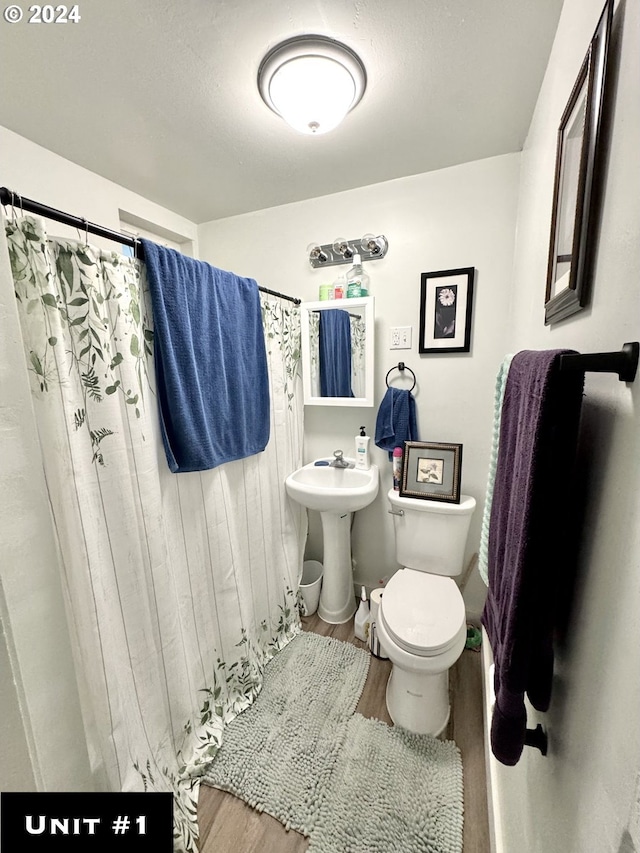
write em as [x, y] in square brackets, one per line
[363, 461]
[362, 620]
[357, 279]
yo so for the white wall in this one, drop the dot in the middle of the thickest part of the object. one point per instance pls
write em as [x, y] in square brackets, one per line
[39, 174]
[37, 679]
[584, 795]
[456, 217]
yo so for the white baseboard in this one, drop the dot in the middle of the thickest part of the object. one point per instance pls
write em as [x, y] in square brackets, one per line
[493, 791]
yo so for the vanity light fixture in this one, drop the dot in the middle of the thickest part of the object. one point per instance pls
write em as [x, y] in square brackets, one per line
[312, 82]
[341, 251]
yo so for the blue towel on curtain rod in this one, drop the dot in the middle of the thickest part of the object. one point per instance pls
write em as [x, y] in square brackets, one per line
[396, 420]
[335, 353]
[210, 359]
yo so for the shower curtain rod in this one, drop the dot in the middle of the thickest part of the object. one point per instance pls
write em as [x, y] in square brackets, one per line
[9, 197]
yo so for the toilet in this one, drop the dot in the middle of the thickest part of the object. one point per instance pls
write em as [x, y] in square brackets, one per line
[421, 621]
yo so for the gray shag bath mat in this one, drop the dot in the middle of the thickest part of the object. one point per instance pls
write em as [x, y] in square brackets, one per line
[279, 753]
[352, 785]
[391, 792]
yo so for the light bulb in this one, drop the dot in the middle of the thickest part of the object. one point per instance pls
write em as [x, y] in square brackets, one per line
[316, 253]
[341, 247]
[370, 243]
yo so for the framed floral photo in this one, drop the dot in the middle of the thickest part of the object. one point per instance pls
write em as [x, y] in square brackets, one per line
[431, 470]
[446, 301]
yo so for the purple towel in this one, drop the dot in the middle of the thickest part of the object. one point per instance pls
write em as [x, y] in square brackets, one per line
[538, 436]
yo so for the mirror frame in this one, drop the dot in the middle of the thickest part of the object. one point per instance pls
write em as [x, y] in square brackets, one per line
[367, 302]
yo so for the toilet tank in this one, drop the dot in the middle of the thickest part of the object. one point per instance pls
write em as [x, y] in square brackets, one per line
[431, 535]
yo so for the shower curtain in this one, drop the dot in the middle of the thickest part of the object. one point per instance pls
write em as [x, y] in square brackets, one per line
[179, 588]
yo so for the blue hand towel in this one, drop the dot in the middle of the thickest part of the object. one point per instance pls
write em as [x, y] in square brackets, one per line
[335, 353]
[211, 361]
[396, 421]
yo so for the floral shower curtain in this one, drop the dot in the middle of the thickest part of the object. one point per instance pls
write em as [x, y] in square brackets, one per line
[179, 588]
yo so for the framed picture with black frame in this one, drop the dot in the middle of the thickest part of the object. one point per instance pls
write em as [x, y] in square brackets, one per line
[446, 304]
[576, 158]
[431, 470]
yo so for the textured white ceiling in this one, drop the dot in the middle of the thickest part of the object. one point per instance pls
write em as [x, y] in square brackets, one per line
[161, 96]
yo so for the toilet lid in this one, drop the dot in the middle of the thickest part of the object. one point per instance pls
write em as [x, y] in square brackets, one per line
[422, 612]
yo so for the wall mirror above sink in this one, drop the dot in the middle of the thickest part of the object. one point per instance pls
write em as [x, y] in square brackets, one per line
[337, 352]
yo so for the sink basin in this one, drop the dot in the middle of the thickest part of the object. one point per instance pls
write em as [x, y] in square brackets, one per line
[335, 493]
[328, 489]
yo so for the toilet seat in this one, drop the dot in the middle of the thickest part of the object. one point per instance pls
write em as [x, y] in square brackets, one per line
[422, 613]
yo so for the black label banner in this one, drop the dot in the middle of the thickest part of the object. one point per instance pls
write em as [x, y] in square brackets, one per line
[109, 822]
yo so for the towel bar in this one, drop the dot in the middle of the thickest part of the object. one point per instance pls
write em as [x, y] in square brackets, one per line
[355, 316]
[624, 362]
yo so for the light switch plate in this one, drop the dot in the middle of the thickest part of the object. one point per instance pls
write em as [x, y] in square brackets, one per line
[401, 337]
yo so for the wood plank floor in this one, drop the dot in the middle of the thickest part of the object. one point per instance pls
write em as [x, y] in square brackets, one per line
[228, 825]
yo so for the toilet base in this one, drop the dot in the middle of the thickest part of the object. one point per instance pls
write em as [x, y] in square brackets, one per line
[419, 702]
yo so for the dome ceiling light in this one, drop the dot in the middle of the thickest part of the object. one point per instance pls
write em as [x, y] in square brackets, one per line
[311, 82]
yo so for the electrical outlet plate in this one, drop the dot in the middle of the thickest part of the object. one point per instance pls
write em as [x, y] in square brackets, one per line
[400, 337]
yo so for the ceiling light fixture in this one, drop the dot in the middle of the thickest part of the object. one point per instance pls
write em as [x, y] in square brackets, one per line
[311, 82]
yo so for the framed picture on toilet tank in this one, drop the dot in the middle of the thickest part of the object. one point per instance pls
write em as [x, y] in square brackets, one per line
[431, 470]
[576, 158]
[446, 304]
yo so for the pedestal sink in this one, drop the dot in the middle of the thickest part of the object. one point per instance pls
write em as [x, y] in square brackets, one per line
[335, 493]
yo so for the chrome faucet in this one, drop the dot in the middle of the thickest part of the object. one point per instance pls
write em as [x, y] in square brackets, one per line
[339, 460]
